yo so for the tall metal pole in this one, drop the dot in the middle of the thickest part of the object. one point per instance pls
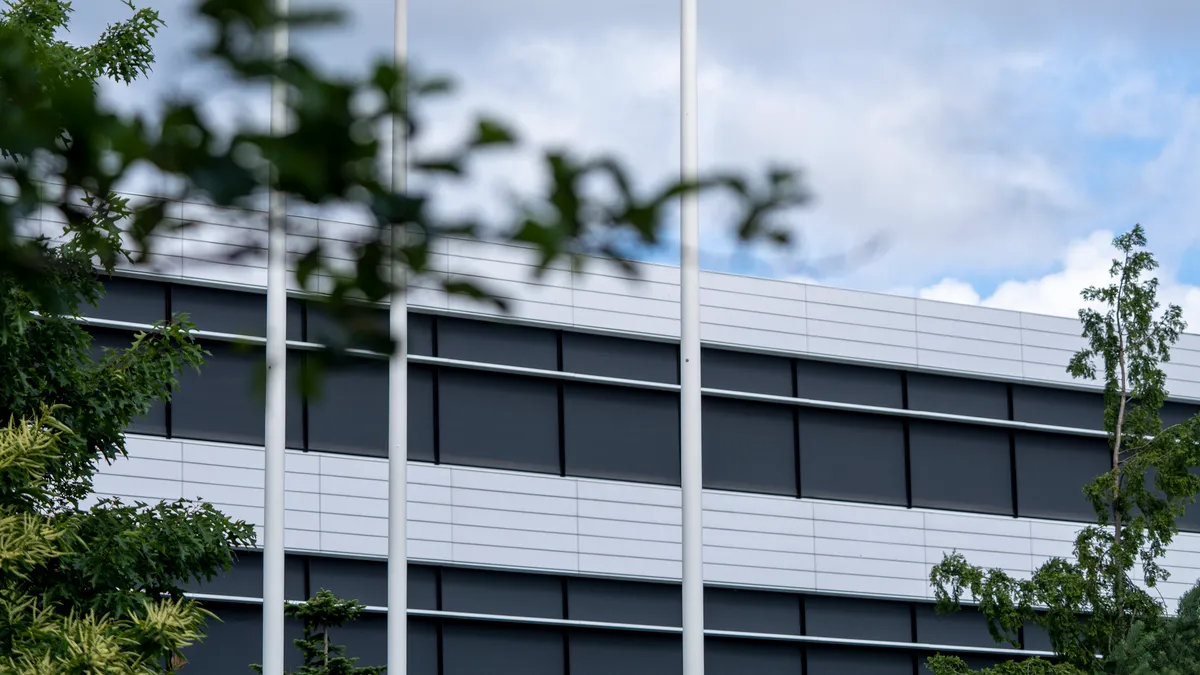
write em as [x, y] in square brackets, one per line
[689, 299]
[273, 567]
[397, 622]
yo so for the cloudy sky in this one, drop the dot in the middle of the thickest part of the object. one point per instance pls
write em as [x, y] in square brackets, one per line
[993, 147]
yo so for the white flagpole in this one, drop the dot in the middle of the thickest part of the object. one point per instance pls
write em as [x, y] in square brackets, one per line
[689, 277]
[276, 422]
[397, 622]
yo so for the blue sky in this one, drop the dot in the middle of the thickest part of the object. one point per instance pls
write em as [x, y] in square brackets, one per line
[992, 145]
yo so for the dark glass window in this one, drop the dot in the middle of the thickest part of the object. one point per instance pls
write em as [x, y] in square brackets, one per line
[609, 652]
[743, 371]
[740, 657]
[235, 641]
[621, 433]
[960, 467]
[829, 660]
[350, 412]
[842, 383]
[245, 578]
[751, 611]
[620, 357]
[505, 593]
[500, 421]
[235, 312]
[225, 402]
[957, 396]
[1052, 470]
[132, 300]
[1059, 407]
[503, 649]
[154, 422]
[366, 581]
[422, 646]
[362, 327]
[615, 601]
[1175, 412]
[857, 618]
[749, 446]
[852, 456]
[502, 343]
[967, 628]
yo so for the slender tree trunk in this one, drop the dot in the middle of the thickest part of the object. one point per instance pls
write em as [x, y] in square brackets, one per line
[1118, 436]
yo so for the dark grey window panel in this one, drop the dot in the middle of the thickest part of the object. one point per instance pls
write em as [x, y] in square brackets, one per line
[857, 661]
[366, 639]
[1175, 412]
[422, 646]
[624, 602]
[842, 383]
[857, 618]
[957, 396]
[742, 657]
[743, 371]
[620, 433]
[609, 652]
[852, 456]
[500, 421]
[234, 641]
[1060, 407]
[237, 312]
[132, 300]
[350, 412]
[154, 422]
[751, 611]
[366, 581]
[620, 357]
[420, 334]
[1036, 638]
[225, 402]
[421, 419]
[245, 578]
[749, 446]
[486, 592]
[1052, 470]
[492, 342]
[960, 467]
[966, 628]
[501, 649]
[366, 321]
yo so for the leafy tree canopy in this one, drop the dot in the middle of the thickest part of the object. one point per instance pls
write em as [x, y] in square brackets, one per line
[1089, 603]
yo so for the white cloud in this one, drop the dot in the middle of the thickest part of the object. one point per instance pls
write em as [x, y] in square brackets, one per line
[1086, 262]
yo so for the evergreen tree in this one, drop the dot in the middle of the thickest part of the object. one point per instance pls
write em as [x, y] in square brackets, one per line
[319, 614]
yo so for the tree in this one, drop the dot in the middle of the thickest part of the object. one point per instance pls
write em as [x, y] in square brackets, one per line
[330, 154]
[319, 614]
[87, 589]
[82, 623]
[1088, 604]
[1172, 649]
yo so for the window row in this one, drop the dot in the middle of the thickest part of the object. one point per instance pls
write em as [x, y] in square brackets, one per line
[477, 647]
[244, 313]
[474, 418]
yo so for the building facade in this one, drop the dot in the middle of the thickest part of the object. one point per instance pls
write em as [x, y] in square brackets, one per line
[850, 441]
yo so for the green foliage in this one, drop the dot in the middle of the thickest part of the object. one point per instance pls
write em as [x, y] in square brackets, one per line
[952, 665]
[330, 153]
[1172, 649]
[1088, 604]
[83, 590]
[61, 610]
[319, 614]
